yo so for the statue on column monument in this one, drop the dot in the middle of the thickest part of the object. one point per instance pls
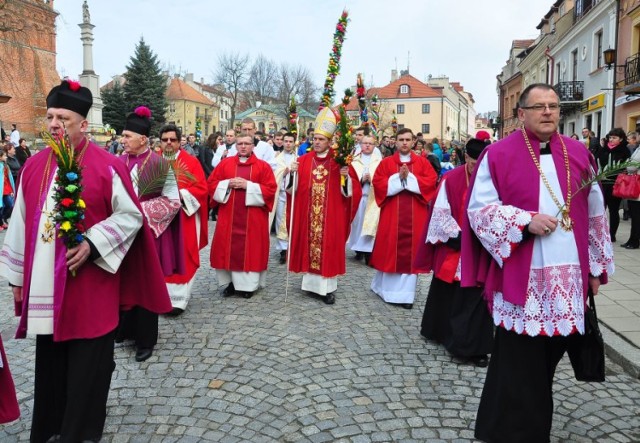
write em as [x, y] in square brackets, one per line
[86, 18]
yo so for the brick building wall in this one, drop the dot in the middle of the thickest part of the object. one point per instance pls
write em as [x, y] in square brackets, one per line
[28, 67]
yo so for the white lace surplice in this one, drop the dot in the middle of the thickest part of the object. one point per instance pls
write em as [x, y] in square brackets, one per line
[554, 303]
[442, 226]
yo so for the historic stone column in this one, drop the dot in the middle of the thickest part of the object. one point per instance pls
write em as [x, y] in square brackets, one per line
[89, 78]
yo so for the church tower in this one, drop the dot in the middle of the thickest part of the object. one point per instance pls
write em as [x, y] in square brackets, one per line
[89, 78]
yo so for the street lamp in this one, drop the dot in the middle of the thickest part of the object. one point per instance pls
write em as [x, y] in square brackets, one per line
[610, 56]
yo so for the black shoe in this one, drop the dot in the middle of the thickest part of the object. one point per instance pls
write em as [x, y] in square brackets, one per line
[625, 215]
[407, 305]
[246, 294]
[613, 239]
[624, 245]
[481, 361]
[367, 257]
[628, 246]
[229, 290]
[143, 353]
[358, 255]
[283, 257]
[330, 299]
[175, 312]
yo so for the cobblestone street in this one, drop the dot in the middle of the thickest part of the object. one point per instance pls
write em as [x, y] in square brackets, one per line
[276, 369]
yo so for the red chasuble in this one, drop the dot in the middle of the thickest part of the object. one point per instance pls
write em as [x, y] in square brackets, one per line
[197, 186]
[402, 216]
[241, 239]
[321, 217]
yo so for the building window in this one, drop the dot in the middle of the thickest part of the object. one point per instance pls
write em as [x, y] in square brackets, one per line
[426, 108]
[574, 65]
[172, 107]
[221, 114]
[426, 128]
[400, 109]
[404, 89]
[197, 111]
[598, 49]
[400, 127]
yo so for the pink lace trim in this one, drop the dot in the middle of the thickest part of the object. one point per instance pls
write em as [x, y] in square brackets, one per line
[442, 226]
[554, 304]
[159, 213]
[600, 249]
[499, 229]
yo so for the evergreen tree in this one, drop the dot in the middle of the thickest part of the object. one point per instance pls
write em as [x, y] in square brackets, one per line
[146, 85]
[115, 107]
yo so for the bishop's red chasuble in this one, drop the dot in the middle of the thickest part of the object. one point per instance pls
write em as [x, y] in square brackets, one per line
[322, 217]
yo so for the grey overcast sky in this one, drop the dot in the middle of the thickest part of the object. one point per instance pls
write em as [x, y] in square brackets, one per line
[466, 40]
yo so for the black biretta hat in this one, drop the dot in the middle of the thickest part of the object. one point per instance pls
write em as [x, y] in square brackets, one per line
[139, 121]
[475, 147]
[72, 96]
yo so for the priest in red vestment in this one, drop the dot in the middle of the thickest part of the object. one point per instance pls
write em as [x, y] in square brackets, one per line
[322, 212]
[194, 215]
[403, 184]
[244, 188]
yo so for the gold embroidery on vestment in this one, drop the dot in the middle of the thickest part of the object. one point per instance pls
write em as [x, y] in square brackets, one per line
[318, 192]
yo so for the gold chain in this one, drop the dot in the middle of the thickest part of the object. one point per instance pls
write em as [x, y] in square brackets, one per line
[565, 222]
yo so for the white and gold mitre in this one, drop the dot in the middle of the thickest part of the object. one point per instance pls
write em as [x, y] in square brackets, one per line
[326, 123]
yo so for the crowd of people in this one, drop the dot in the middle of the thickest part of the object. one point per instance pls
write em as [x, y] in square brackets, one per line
[512, 255]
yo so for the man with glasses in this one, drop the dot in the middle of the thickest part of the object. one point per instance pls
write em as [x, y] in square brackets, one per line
[244, 187]
[193, 213]
[537, 245]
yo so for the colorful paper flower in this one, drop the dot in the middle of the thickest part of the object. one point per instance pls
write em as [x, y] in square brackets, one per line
[65, 225]
[67, 202]
[72, 176]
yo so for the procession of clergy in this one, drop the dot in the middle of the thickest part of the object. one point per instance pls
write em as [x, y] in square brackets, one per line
[145, 211]
[378, 207]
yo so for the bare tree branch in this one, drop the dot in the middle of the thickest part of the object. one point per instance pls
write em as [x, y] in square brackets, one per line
[232, 73]
[261, 82]
[295, 81]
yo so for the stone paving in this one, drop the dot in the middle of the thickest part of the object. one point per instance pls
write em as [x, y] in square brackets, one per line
[292, 369]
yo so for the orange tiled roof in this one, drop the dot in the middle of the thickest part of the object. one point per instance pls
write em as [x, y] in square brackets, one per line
[522, 43]
[417, 89]
[179, 90]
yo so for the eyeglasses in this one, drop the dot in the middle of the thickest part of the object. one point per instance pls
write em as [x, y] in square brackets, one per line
[552, 107]
[168, 140]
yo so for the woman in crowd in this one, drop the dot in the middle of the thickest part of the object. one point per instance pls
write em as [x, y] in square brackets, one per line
[634, 210]
[8, 191]
[22, 151]
[12, 161]
[615, 150]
